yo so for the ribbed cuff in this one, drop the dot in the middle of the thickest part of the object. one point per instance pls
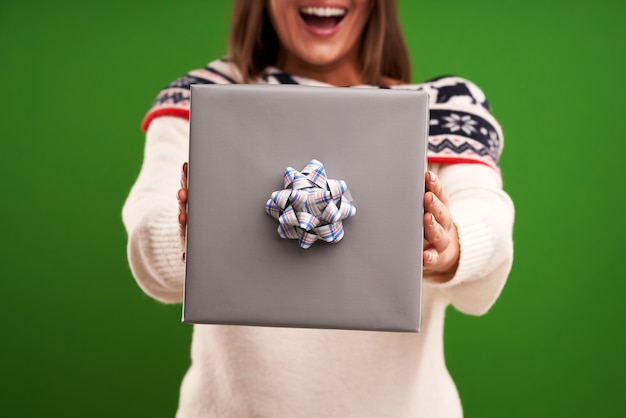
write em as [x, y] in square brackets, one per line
[167, 248]
[476, 239]
[156, 256]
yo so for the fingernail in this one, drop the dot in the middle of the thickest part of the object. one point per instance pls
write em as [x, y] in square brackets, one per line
[432, 219]
[433, 177]
[429, 256]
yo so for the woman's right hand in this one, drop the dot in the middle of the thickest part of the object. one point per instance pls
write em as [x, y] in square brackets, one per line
[182, 207]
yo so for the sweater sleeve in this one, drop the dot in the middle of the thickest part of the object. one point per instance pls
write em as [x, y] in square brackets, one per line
[465, 144]
[483, 214]
[150, 213]
[462, 128]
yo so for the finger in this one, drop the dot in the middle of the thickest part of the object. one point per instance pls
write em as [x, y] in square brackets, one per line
[430, 257]
[184, 176]
[433, 205]
[182, 196]
[182, 230]
[429, 254]
[435, 234]
[434, 185]
[182, 207]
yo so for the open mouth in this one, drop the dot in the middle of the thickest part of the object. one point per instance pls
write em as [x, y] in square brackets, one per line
[322, 17]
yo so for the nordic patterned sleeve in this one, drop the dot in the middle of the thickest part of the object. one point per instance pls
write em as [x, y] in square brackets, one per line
[462, 128]
[175, 98]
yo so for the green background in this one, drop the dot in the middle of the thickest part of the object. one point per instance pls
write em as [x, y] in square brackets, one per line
[80, 339]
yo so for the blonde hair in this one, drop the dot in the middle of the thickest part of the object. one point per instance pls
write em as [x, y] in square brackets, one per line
[253, 43]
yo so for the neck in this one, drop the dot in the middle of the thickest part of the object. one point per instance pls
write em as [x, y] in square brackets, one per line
[344, 73]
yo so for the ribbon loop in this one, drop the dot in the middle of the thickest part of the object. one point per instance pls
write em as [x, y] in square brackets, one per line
[311, 206]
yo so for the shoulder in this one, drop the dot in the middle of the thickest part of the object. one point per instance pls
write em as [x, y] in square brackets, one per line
[452, 90]
[174, 99]
[462, 127]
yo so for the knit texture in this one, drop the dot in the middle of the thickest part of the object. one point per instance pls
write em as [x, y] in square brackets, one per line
[462, 129]
[279, 372]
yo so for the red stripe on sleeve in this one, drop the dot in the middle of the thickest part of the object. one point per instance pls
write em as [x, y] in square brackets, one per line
[460, 160]
[164, 111]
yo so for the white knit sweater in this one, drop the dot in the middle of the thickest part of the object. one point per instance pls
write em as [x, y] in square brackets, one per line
[279, 372]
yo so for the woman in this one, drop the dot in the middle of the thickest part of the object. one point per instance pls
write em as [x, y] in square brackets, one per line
[268, 372]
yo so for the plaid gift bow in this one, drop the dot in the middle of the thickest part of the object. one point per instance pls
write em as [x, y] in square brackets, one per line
[311, 206]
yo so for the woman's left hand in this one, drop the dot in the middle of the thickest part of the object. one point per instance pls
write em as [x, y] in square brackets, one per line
[441, 239]
[182, 208]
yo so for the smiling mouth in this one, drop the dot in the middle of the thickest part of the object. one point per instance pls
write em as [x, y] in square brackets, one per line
[322, 17]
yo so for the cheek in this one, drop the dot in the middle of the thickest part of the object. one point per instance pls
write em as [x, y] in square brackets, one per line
[361, 17]
[357, 27]
[286, 27]
[364, 6]
[279, 18]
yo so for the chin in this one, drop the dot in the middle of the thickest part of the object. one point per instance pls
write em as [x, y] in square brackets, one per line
[321, 57]
[321, 61]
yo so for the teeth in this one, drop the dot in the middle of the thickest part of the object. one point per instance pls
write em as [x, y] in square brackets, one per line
[323, 11]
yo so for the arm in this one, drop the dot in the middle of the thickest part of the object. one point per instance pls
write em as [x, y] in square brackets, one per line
[150, 213]
[483, 216]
